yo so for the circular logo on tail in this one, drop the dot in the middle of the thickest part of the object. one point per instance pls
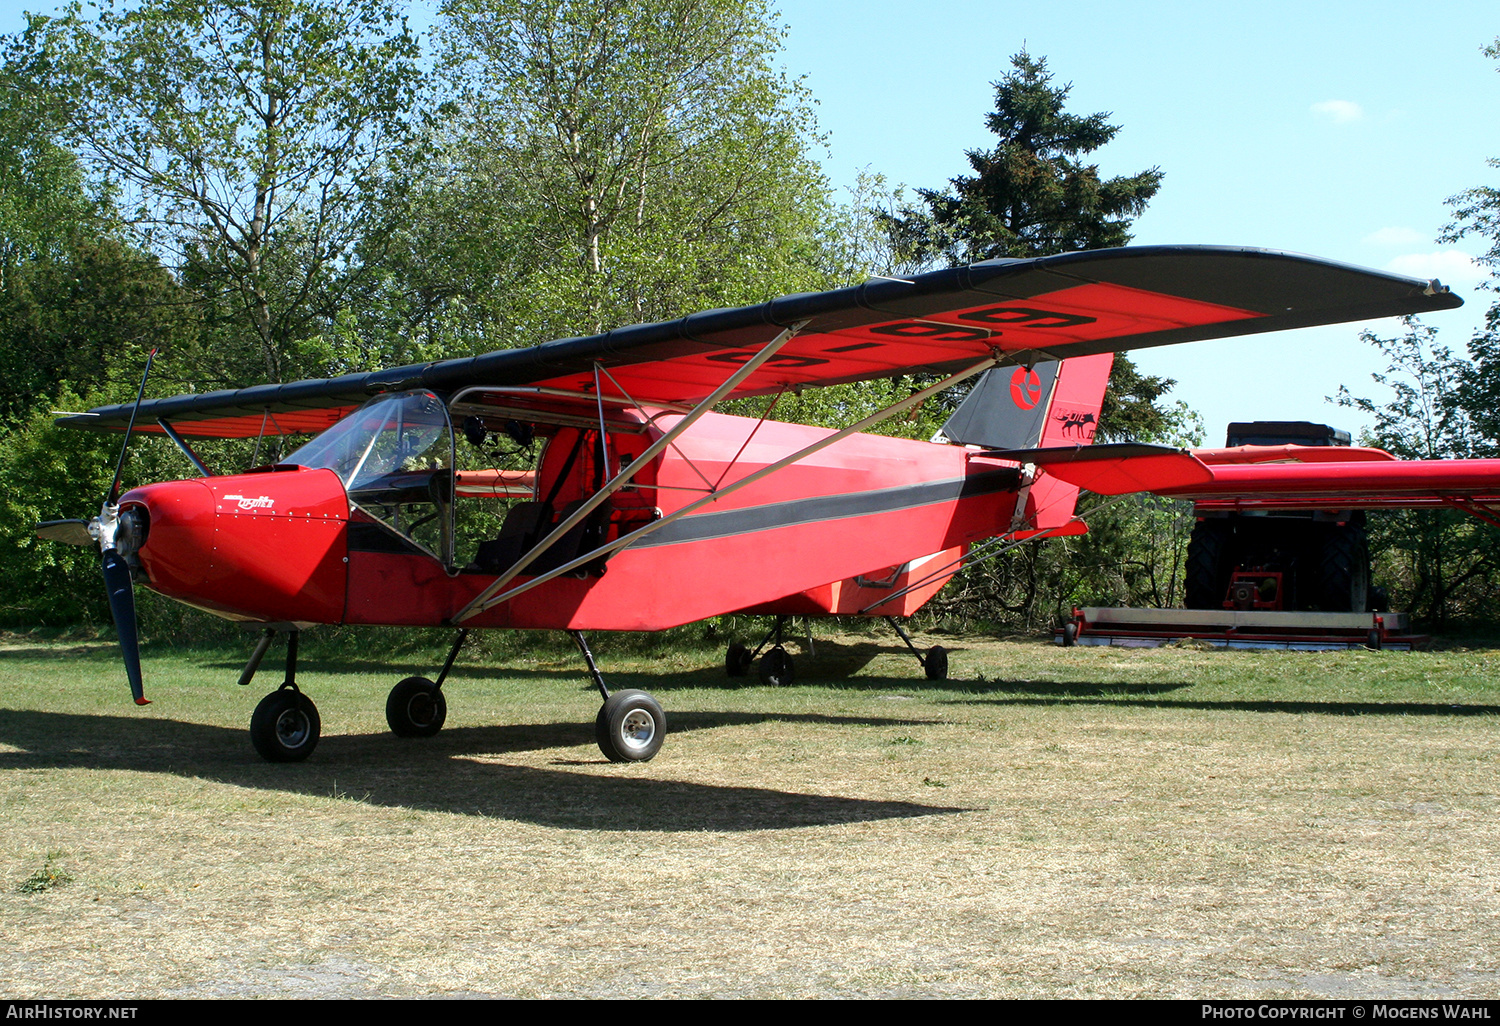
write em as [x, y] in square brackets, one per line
[1025, 388]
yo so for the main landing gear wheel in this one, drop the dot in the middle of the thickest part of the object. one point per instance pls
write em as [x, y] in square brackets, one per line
[737, 660]
[285, 726]
[936, 663]
[630, 727]
[416, 708]
[776, 668]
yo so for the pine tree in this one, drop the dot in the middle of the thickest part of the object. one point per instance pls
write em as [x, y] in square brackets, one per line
[1033, 194]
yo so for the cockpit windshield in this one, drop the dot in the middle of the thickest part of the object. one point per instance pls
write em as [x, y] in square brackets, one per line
[392, 435]
[395, 458]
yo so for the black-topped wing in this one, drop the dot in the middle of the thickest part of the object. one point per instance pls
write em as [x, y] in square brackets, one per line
[1053, 307]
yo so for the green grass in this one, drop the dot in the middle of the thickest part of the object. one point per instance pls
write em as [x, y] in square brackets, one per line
[1080, 822]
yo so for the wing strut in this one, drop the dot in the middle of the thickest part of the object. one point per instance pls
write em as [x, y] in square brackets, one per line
[484, 600]
[171, 432]
[1477, 510]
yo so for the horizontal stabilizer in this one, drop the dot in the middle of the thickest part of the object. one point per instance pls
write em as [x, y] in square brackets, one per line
[1117, 468]
[1292, 454]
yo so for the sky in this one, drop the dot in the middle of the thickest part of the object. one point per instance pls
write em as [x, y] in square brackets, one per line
[1333, 129]
[1336, 129]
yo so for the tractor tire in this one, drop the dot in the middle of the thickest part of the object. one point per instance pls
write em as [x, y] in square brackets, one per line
[1209, 564]
[1343, 576]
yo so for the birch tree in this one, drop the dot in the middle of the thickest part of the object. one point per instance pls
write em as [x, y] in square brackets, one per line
[243, 139]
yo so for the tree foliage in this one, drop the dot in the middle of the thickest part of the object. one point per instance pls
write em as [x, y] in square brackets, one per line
[44, 203]
[1033, 193]
[1439, 565]
[243, 138]
[603, 162]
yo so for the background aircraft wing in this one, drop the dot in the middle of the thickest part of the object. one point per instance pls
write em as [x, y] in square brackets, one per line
[1366, 482]
[1054, 307]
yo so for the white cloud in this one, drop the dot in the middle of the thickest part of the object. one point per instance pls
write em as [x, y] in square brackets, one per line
[1450, 266]
[1395, 237]
[1339, 111]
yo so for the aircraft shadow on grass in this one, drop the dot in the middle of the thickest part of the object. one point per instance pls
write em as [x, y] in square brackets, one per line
[448, 773]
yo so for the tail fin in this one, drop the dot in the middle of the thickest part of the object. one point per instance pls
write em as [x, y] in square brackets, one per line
[1055, 403]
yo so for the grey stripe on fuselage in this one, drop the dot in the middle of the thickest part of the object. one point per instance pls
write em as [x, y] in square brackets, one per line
[731, 522]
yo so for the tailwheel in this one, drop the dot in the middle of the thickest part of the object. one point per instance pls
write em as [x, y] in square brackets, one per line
[285, 726]
[776, 668]
[936, 663]
[416, 708]
[737, 660]
[630, 727]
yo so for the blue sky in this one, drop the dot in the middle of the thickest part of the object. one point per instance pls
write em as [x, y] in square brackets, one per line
[1331, 128]
[1335, 129]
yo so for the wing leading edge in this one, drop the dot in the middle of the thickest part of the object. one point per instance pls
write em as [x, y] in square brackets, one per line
[1075, 304]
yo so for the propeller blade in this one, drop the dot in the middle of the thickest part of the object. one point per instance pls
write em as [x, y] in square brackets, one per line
[73, 532]
[121, 590]
[114, 485]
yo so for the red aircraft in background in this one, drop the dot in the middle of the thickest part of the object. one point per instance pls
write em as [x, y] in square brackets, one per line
[586, 484]
[1280, 477]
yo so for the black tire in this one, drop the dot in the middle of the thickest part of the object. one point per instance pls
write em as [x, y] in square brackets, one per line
[776, 668]
[936, 663]
[1069, 634]
[416, 708]
[737, 660]
[630, 727]
[1343, 580]
[285, 726]
[1209, 565]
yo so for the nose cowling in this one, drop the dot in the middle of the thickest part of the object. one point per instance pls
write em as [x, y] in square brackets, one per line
[264, 547]
[177, 548]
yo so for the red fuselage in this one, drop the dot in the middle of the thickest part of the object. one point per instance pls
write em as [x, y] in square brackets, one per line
[823, 535]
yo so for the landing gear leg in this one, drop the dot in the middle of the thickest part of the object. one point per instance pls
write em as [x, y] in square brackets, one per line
[776, 667]
[285, 726]
[248, 673]
[934, 663]
[588, 657]
[630, 726]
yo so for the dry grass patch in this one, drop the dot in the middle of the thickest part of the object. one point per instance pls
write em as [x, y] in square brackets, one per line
[1061, 822]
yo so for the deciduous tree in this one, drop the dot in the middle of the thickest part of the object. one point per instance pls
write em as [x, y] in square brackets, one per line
[607, 162]
[244, 138]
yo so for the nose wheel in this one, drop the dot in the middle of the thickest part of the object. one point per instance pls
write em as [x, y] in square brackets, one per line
[285, 726]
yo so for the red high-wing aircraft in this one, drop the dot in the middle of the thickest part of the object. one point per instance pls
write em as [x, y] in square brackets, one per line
[644, 509]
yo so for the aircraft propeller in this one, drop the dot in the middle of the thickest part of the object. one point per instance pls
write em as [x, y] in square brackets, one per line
[118, 537]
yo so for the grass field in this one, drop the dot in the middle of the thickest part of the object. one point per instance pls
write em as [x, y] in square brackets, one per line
[1052, 822]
